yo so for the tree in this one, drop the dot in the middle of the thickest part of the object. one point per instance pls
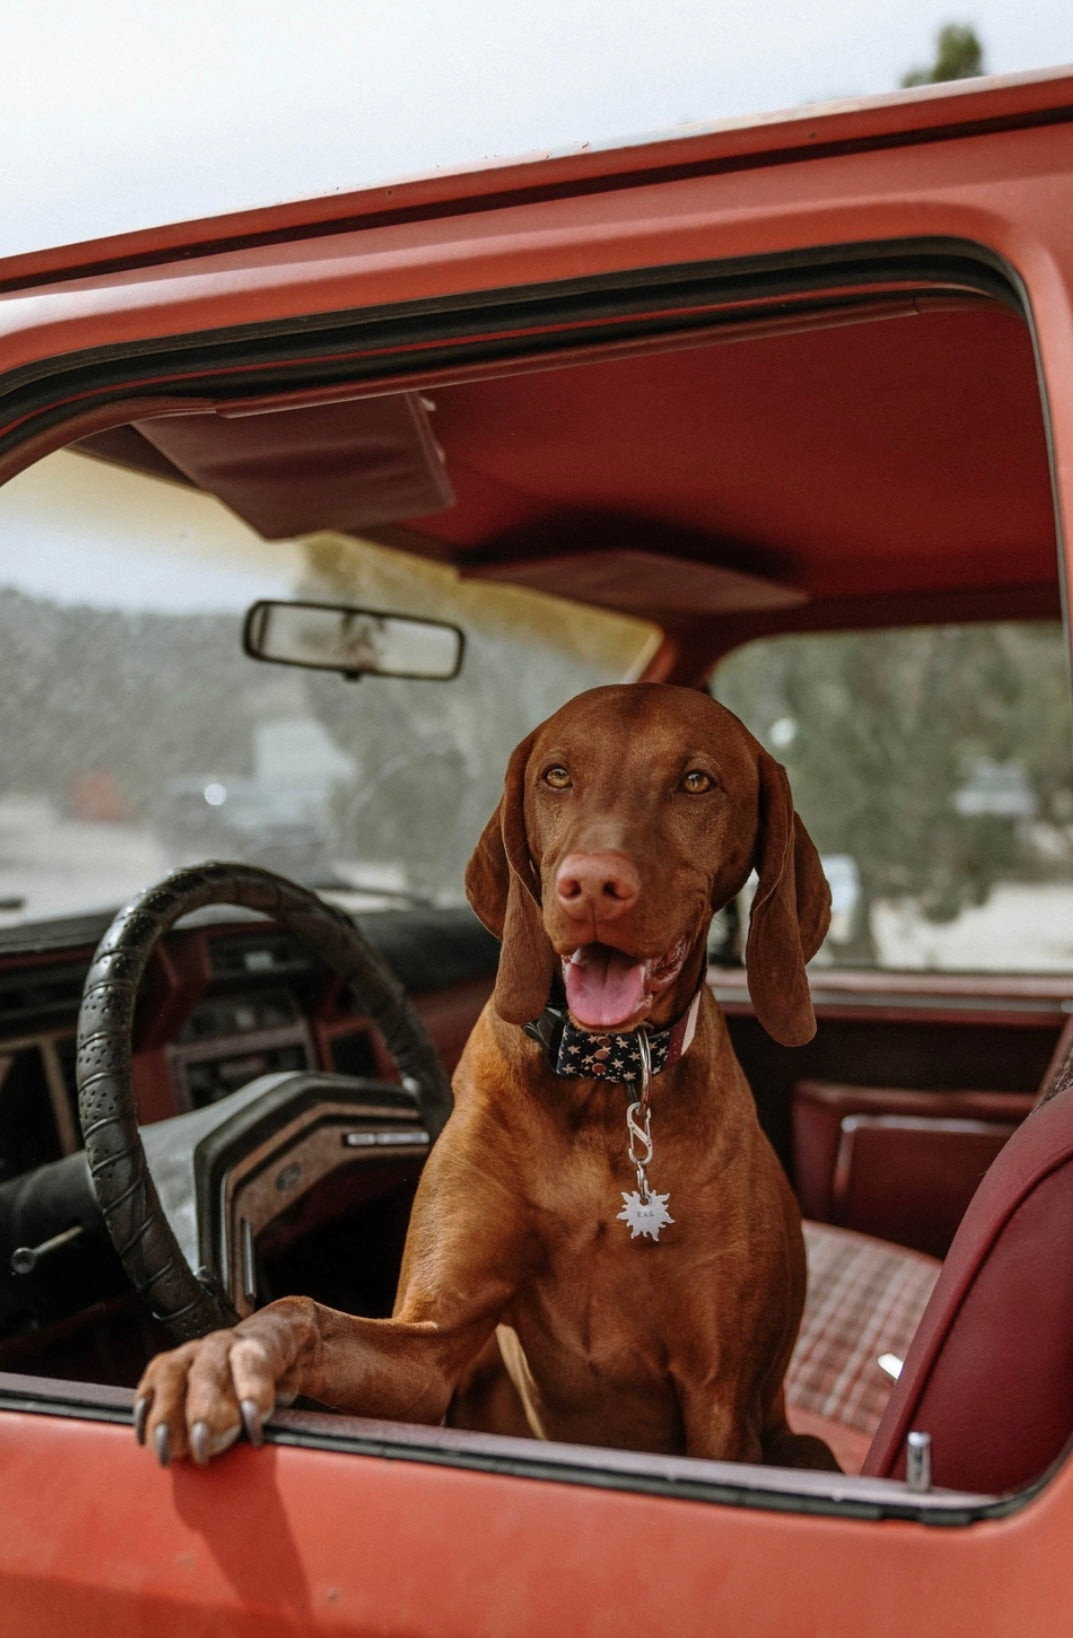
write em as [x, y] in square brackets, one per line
[884, 733]
[958, 56]
[144, 705]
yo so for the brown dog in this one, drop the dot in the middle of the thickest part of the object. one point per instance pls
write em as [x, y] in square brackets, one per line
[647, 1280]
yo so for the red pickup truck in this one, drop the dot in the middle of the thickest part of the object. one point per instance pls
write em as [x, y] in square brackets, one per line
[784, 411]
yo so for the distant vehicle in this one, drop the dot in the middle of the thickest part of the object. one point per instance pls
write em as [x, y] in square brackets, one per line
[204, 817]
[998, 790]
[844, 880]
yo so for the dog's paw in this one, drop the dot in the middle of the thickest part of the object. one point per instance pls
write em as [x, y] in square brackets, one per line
[199, 1399]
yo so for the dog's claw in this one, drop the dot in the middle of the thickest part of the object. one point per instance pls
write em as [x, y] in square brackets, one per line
[141, 1417]
[162, 1441]
[253, 1422]
[201, 1443]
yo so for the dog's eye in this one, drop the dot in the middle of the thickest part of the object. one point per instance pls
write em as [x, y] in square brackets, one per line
[557, 778]
[696, 782]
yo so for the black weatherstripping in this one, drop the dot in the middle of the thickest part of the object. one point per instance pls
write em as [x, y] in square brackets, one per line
[683, 1478]
[401, 341]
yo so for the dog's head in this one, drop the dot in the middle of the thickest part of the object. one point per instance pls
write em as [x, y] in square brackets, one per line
[627, 819]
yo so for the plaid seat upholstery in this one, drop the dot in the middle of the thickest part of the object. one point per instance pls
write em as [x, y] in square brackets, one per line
[865, 1298]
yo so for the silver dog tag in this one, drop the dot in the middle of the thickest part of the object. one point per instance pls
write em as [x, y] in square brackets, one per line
[645, 1216]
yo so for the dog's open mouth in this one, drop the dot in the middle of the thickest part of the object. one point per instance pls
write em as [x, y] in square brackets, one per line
[607, 989]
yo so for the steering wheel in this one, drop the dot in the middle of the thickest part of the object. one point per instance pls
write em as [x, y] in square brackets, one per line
[191, 1302]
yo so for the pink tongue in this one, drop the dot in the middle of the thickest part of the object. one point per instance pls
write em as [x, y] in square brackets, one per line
[604, 988]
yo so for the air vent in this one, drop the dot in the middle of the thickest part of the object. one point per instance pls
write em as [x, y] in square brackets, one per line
[354, 1054]
[248, 957]
[66, 1053]
[35, 995]
[223, 1017]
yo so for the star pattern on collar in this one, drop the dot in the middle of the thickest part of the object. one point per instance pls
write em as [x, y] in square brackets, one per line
[611, 1055]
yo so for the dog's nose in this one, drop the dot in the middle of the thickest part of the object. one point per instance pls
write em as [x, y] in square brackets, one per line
[604, 885]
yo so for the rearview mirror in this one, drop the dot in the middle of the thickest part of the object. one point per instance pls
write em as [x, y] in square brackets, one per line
[331, 637]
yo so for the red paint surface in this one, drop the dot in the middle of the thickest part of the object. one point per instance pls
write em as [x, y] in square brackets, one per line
[98, 1540]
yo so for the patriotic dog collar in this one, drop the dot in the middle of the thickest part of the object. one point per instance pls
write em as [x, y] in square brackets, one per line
[611, 1056]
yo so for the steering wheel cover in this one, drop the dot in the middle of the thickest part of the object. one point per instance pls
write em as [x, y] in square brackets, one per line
[188, 1304]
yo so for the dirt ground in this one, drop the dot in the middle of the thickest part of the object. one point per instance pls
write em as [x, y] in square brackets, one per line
[1021, 928]
[55, 866]
[51, 866]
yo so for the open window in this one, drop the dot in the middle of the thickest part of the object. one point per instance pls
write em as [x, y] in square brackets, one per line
[644, 472]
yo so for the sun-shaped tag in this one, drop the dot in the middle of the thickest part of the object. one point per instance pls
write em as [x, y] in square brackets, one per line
[645, 1217]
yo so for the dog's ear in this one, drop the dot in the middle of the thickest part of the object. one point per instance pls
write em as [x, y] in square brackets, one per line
[790, 914]
[503, 887]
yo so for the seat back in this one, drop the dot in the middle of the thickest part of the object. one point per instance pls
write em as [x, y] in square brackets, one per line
[989, 1374]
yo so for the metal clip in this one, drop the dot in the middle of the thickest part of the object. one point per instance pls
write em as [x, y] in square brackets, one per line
[640, 1135]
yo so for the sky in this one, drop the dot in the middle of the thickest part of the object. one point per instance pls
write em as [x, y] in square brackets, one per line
[119, 114]
[77, 531]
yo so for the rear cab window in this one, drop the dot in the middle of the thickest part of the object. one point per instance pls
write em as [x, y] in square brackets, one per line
[933, 768]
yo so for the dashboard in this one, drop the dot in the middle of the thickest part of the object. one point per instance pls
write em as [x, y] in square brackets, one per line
[227, 997]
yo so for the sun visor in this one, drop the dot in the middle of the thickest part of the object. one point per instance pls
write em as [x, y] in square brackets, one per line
[640, 582]
[347, 466]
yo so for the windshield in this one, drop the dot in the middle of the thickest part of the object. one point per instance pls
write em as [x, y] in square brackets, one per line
[137, 736]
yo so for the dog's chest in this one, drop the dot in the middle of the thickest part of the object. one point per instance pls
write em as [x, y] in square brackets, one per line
[611, 1323]
[584, 1176]
[712, 1201]
[599, 1322]
[594, 1261]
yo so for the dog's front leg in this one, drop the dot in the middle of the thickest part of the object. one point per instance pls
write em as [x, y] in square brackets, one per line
[196, 1399]
[719, 1406]
[463, 1259]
